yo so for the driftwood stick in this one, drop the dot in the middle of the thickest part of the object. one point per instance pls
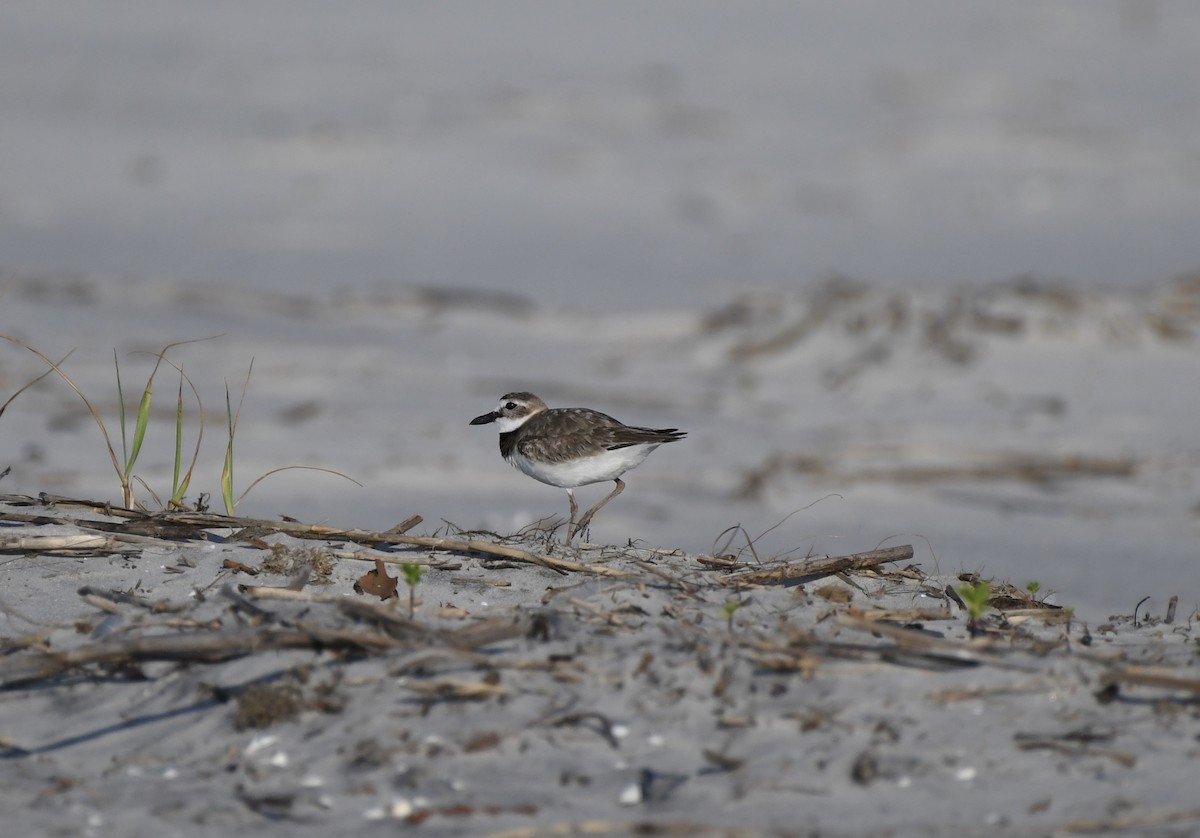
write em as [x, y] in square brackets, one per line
[48, 543]
[910, 639]
[216, 646]
[473, 545]
[288, 594]
[1139, 821]
[816, 568]
[91, 594]
[47, 500]
[912, 645]
[471, 636]
[1150, 677]
[395, 623]
[208, 647]
[183, 524]
[194, 524]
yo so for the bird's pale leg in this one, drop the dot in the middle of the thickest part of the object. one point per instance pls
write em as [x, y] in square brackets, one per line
[571, 528]
[587, 516]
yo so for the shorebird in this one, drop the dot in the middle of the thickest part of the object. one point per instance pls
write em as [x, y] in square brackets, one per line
[571, 447]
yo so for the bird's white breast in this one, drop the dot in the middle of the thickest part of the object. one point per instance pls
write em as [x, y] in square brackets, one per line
[608, 465]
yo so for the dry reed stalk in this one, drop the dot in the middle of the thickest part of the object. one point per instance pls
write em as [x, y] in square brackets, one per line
[814, 568]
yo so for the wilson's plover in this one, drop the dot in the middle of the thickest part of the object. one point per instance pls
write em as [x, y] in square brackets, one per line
[571, 447]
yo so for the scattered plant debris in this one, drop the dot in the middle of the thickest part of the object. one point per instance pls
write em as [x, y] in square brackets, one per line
[283, 560]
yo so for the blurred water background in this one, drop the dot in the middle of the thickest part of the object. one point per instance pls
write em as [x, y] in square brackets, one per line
[600, 155]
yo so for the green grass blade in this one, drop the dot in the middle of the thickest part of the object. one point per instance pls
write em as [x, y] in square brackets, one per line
[121, 408]
[227, 467]
[139, 430]
[176, 490]
[181, 484]
[233, 416]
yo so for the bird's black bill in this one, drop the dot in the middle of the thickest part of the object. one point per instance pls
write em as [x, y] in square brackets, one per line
[485, 418]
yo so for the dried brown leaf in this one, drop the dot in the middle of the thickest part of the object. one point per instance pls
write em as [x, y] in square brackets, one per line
[377, 583]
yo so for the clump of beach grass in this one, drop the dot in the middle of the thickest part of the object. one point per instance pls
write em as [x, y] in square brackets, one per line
[132, 438]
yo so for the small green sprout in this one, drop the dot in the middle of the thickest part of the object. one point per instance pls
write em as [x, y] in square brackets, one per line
[975, 597]
[728, 610]
[412, 575]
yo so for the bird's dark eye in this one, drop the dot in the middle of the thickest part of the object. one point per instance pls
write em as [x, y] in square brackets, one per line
[510, 405]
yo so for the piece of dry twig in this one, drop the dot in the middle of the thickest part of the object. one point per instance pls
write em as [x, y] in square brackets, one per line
[1145, 676]
[206, 647]
[816, 568]
[196, 525]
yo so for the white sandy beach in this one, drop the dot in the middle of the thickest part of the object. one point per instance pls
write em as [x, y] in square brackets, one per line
[610, 691]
